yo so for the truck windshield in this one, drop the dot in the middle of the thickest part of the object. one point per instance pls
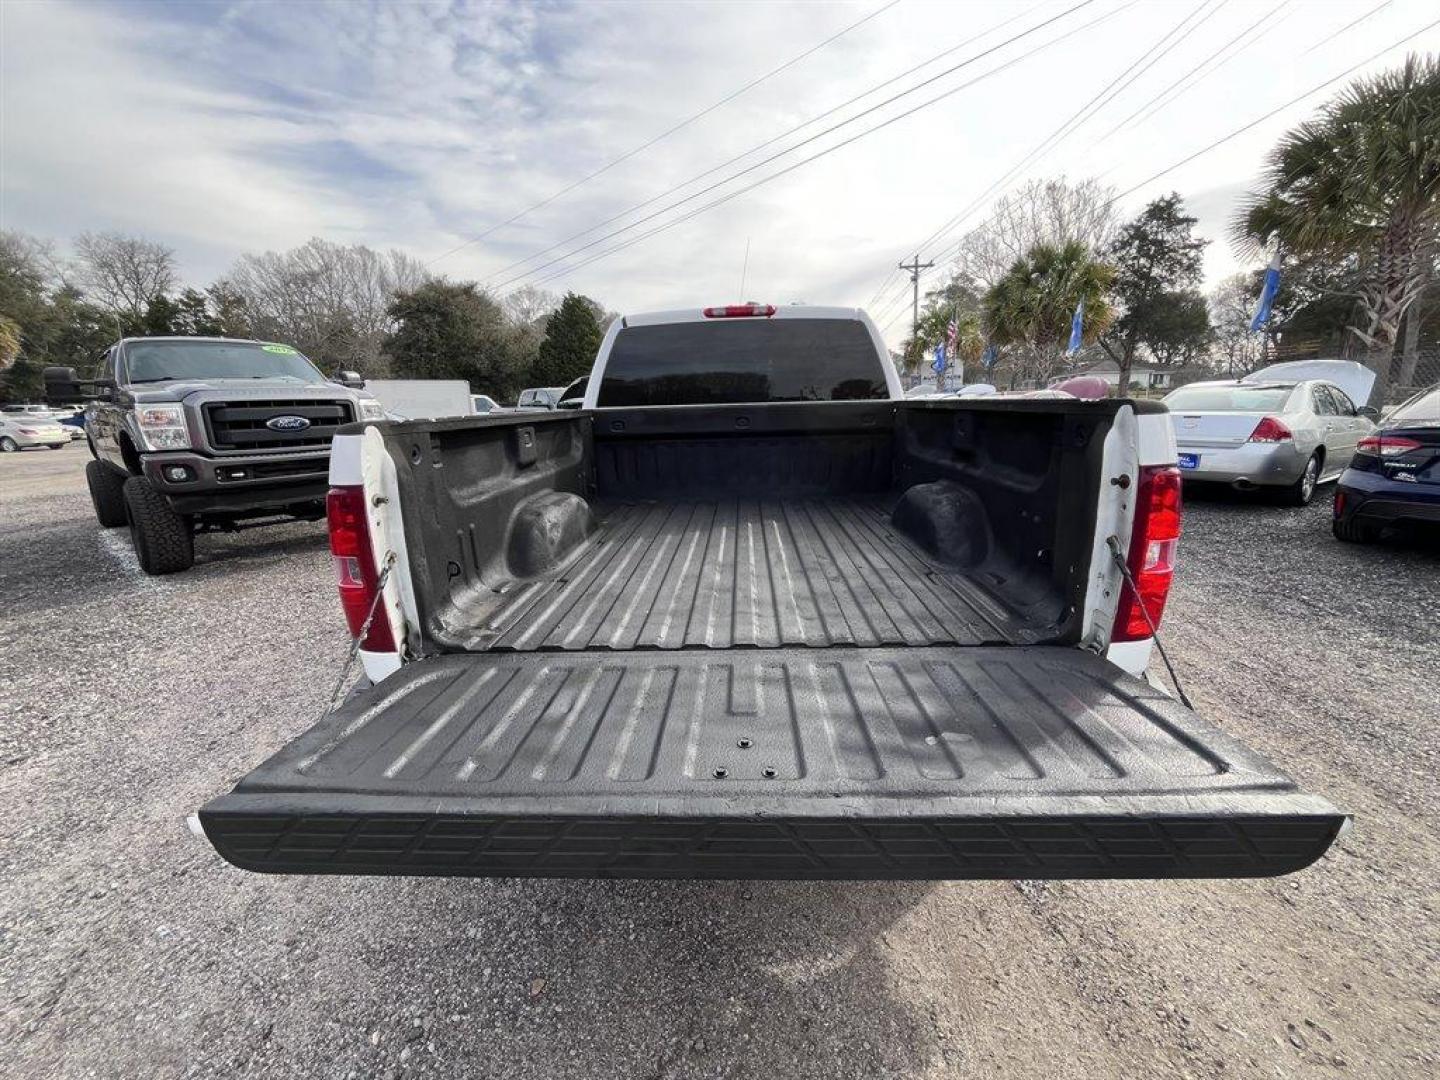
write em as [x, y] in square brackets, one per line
[1228, 398]
[156, 361]
[733, 361]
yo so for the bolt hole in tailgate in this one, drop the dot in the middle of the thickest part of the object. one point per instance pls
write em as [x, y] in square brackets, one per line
[792, 763]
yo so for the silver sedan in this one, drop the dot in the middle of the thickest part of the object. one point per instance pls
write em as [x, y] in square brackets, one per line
[1285, 435]
[19, 430]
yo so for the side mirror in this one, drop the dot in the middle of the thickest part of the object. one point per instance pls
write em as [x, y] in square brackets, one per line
[571, 403]
[1369, 412]
[64, 387]
[351, 379]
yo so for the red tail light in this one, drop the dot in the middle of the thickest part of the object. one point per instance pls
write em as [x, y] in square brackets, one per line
[1153, 543]
[356, 570]
[1386, 445]
[740, 311]
[1270, 430]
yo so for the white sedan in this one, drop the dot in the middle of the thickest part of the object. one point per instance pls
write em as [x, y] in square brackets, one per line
[17, 431]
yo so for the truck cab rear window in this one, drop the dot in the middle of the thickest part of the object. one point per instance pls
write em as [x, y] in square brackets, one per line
[735, 361]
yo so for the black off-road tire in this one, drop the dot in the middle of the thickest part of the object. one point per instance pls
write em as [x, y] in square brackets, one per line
[1353, 531]
[107, 494]
[162, 538]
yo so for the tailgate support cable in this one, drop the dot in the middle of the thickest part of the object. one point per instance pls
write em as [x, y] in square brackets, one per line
[364, 630]
[1113, 543]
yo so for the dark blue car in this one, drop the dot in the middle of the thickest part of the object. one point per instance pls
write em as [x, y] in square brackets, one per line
[1394, 477]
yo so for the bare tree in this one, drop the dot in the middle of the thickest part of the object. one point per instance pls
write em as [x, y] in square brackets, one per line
[1049, 212]
[529, 305]
[122, 274]
[328, 300]
[1235, 348]
[30, 262]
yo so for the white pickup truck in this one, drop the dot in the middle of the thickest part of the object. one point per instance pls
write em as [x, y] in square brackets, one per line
[749, 613]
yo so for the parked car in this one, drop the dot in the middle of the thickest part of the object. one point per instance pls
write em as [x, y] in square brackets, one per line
[19, 430]
[72, 419]
[924, 390]
[1394, 477]
[540, 397]
[751, 613]
[194, 434]
[1270, 431]
[573, 396]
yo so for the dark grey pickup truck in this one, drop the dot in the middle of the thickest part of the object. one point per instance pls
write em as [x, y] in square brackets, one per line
[192, 433]
[749, 613]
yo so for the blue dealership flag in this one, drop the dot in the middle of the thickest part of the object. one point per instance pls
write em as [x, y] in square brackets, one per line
[1267, 293]
[990, 357]
[939, 364]
[1077, 324]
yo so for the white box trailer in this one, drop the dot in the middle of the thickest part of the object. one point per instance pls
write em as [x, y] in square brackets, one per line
[423, 399]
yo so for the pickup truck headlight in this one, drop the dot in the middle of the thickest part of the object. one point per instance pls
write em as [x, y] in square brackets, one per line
[370, 409]
[162, 427]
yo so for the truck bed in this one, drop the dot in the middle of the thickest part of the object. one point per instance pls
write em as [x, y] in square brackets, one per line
[734, 572]
[918, 762]
[839, 640]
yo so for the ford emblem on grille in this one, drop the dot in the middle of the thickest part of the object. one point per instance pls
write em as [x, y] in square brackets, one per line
[287, 423]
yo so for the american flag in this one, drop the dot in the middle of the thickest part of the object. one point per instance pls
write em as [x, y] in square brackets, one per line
[952, 333]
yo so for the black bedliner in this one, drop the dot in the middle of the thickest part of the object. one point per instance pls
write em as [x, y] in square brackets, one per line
[762, 572]
[920, 762]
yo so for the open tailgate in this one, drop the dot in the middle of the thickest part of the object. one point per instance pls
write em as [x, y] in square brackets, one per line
[820, 763]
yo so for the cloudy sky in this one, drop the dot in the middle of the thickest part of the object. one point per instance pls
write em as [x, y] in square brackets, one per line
[221, 127]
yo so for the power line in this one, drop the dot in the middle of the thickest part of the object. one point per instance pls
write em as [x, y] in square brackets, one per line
[804, 142]
[761, 146]
[834, 127]
[790, 168]
[1278, 109]
[1149, 107]
[799, 164]
[1347, 26]
[891, 321]
[1261, 119]
[1190, 83]
[1232, 56]
[1117, 85]
[664, 134]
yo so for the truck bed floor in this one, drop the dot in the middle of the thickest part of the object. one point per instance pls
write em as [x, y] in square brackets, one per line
[740, 572]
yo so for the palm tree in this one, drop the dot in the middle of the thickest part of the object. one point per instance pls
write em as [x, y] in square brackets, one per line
[1032, 303]
[1362, 179]
[955, 300]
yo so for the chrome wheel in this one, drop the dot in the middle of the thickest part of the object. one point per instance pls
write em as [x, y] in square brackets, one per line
[1310, 479]
[8, 445]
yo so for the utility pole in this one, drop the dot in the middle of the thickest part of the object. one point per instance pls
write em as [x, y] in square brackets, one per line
[915, 267]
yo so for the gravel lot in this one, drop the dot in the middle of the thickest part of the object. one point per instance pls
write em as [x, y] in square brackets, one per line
[130, 949]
